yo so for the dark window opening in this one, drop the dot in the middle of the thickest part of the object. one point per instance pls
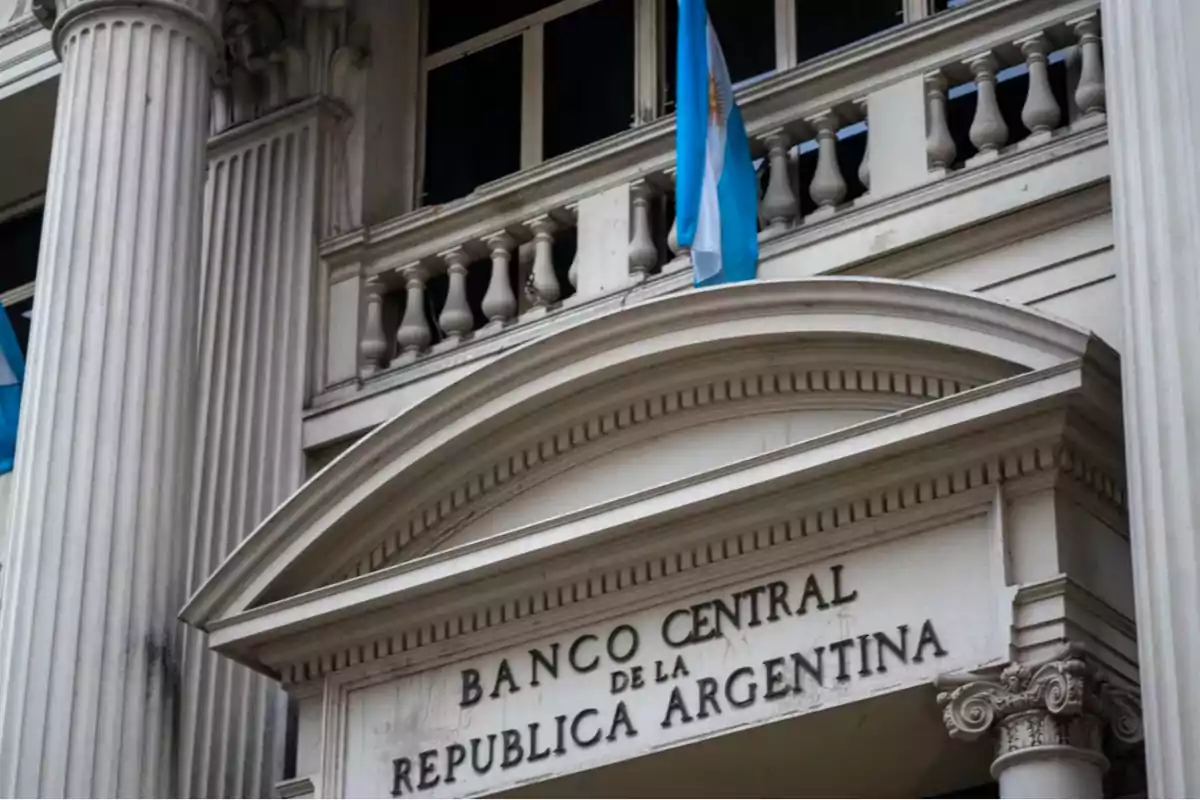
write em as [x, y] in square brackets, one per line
[454, 21]
[21, 316]
[746, 29]
[473, 122]
[947, 5]
[822, 27]
[291, 739]
[588, 76]
[20, 240]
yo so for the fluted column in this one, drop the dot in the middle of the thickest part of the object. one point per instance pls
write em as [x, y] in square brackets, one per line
[89, 643]
[256, 288]
[1153, 113]
[1048, 720]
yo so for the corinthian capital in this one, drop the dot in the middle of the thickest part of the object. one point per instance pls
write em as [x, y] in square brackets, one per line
[1061, 702]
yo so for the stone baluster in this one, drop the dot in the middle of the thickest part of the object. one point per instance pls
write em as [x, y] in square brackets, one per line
[864, 166]
[828, 187]
[678, 254]
[499, 303]
[779, 209]
[643, 255]
[1040, 114]
[543, 281]
[1048, 720]
[373, 345]
[456, 319]
[413, 335]
[988, 132]
[572, 212]
[939, 144]
[1089, 93]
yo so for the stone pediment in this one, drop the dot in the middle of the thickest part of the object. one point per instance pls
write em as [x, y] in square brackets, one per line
[655, 396]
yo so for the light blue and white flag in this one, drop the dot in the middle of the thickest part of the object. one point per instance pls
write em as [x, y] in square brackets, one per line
[12, 373]
[716, 190]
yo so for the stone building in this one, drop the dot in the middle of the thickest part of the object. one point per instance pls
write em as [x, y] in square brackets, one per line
[375, 442]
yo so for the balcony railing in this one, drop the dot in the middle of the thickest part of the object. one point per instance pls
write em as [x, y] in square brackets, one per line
[597, 222]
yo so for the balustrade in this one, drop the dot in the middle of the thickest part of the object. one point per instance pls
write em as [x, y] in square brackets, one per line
[469, 288]
[1042, 114]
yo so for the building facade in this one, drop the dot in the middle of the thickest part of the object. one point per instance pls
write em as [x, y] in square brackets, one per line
[374, 441]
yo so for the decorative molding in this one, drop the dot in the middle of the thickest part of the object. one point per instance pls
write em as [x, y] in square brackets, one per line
[277, 52]
[653, 334]
[439, 519]
[296, 788]
[1060, 702]
[889, 509]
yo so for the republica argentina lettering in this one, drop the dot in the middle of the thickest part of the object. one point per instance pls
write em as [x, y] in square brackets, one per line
[509, 748]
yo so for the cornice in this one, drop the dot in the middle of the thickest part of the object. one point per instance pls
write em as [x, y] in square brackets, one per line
[864, 516]
[857, 382]
[460, 415]
[840, 473]
[261, 127]
[18, 30]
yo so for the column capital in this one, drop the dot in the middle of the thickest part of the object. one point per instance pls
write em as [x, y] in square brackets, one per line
[58, 15]
[1064, 702]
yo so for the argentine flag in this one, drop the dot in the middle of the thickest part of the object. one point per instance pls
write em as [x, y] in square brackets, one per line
[12, 372]
[716, 190]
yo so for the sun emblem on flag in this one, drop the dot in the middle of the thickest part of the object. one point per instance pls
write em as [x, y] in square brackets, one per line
[714, 99]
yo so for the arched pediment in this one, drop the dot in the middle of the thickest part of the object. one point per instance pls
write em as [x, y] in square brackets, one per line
[641, 397]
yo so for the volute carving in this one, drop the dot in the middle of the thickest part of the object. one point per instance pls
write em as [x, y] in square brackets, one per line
[1064, 701]
[281, 51]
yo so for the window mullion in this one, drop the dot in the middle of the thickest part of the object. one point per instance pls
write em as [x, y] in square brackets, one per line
[532, 96]
[915, 10]
[785, 34]
[646, 58]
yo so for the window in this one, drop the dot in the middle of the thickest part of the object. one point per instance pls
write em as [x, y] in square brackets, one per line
[588, 76]
[473, 136]
[823, 26]
[20, 237]
[507, 85]
[746, 29]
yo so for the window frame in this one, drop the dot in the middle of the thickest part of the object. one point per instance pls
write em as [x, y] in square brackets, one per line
[531, 30]
[649, 98]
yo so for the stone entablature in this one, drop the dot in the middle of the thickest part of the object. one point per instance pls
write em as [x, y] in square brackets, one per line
[1016, 460]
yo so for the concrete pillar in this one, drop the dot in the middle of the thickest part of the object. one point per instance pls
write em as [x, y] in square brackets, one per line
[1154, 113]
[89, 638]
[1048, 720]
